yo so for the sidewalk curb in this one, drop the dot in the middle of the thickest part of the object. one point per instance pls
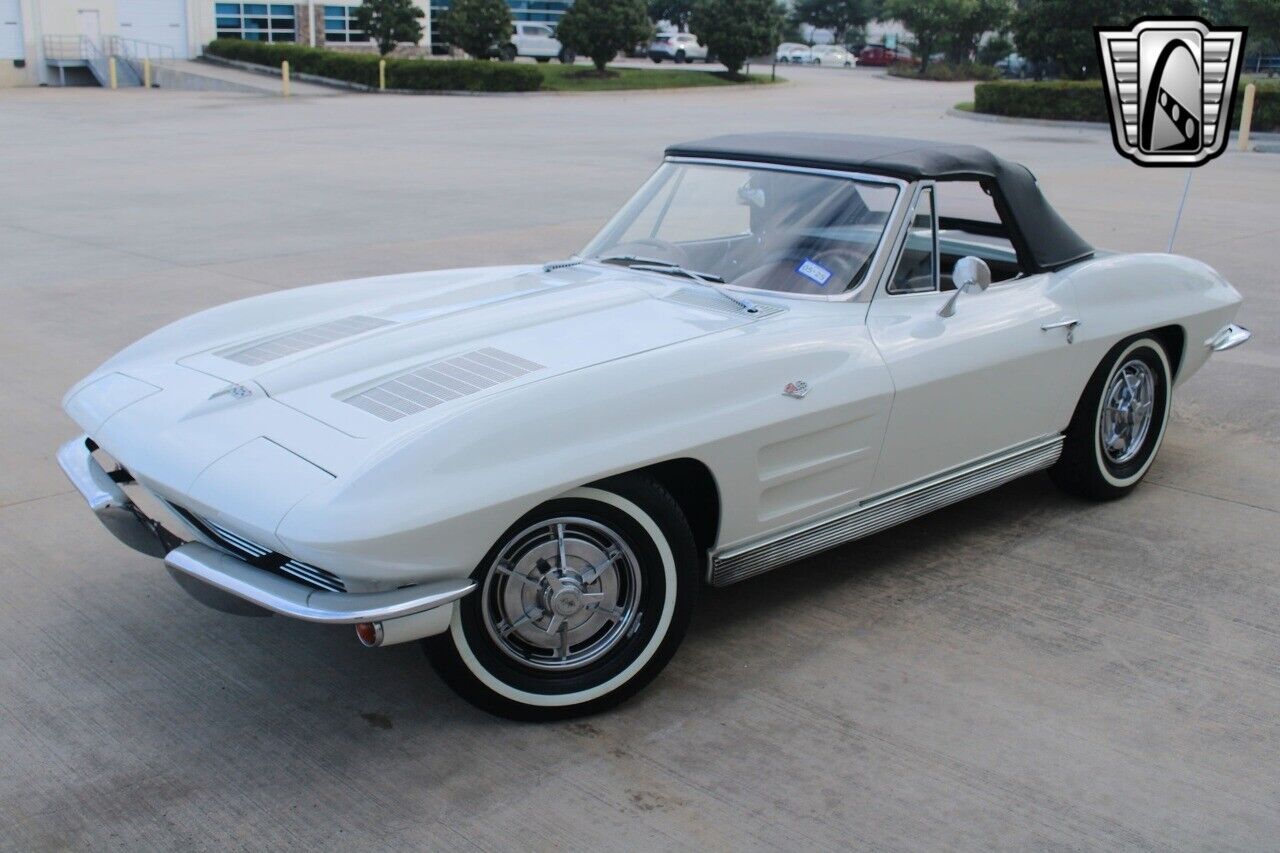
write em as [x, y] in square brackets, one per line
[1270, 142]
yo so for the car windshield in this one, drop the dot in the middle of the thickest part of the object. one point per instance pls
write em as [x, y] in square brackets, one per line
[781, 231]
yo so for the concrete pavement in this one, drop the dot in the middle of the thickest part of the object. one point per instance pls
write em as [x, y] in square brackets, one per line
[1020, 671]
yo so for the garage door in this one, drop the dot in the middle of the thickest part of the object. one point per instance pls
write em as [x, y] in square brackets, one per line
[10, 29]
[155, 21]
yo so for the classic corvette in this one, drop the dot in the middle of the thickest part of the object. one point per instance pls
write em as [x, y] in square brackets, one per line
[782, 343]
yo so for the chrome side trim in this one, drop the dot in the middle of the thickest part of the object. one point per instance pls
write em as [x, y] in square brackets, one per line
[881, 512]
[1228, 337]
[270, 592]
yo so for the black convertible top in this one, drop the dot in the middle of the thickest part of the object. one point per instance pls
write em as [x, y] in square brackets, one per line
[1044, 241]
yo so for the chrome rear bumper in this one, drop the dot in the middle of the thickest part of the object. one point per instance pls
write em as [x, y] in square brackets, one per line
[219, 573]
[1228, 337]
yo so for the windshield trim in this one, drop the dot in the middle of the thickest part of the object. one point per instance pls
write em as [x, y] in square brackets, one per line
[889, 235]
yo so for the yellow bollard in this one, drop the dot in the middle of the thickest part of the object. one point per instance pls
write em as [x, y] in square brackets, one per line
[284, 78]
[111, 72]
[1246, 115]
[382, 75]
[146, 73]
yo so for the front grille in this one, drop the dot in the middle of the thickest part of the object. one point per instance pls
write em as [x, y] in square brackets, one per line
[263, 558]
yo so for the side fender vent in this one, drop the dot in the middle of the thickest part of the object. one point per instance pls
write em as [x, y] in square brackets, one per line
[262, 351]
[432, 384]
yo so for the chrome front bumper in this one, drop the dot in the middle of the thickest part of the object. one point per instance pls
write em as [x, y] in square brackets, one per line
[215, 571]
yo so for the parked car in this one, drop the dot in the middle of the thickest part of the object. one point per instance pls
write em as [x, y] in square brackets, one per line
[832, 55]
[677, 47]
[878, 56]
[797, 54]
[784, 51]
[1015, 66]
[776, 347]
[533, 40]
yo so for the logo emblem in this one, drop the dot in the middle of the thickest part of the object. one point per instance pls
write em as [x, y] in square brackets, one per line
[1170, 86]
[235, 392]
[796, 389]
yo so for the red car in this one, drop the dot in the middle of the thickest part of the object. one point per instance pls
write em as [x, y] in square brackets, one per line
[876, 55]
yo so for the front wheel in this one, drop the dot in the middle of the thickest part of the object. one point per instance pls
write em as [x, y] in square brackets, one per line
[579, 604]
[1119, 422]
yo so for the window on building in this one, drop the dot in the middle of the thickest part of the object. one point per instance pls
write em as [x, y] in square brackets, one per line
[256, 21]
[340, 25]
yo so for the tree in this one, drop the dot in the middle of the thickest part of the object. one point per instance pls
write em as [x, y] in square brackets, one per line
[1262, 17]
[931, 22]
[477, 25]
[389, 22]
[736, 30]
[675, 11]
[839, 16]
[601, 28]
[972, 20]
[1055, 30]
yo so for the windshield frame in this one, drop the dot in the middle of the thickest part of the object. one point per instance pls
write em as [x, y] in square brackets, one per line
[875, 269]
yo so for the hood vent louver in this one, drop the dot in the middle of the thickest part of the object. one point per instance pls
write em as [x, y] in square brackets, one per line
[260, 352]
[432, 384]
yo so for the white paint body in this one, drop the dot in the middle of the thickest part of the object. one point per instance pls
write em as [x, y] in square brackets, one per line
[629, 376]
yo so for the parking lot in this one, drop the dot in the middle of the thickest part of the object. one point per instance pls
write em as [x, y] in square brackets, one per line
[1019, 671]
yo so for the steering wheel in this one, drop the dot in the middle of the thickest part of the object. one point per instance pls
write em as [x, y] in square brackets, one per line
[651, 248]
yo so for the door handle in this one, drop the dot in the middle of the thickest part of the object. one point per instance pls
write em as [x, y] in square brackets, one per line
[1069, 324]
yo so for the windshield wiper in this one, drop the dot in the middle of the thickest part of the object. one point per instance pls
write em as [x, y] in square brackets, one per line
[710, 280]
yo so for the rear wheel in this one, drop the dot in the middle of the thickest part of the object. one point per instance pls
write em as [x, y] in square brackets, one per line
[579, 605]
[1119, 422]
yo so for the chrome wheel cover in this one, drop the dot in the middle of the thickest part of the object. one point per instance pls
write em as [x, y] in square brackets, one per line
[1127, 409]
[561, 594]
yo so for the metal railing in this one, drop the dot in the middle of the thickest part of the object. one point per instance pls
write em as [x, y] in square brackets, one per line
[136, 53]
[81, 50]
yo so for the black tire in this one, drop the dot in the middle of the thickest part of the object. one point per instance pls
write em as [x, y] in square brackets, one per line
[1086, 469]
[642, 516]
[567, 57]
[508, 53]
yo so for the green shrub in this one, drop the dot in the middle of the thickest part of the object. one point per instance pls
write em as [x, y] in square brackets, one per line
[415, 74]
[1084, 100]
[946, 71]
[1069, 100]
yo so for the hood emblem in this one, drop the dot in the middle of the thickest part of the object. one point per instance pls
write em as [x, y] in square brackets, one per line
[796, 389]
[234, 391]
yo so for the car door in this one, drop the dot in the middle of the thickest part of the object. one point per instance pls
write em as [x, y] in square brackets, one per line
[985, 379]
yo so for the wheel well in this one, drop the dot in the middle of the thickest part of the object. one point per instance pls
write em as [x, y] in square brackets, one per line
[691, 483]
[1174, 341]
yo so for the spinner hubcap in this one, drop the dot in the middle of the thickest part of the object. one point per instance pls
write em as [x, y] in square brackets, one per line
[1127, 410]
[562, 593]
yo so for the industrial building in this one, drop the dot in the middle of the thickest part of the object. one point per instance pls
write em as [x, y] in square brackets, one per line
[53, 41]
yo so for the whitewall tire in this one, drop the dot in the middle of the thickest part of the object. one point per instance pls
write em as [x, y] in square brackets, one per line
[579, 604]
[1119, 422]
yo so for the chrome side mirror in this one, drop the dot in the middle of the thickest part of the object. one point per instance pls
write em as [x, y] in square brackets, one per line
[970, 275]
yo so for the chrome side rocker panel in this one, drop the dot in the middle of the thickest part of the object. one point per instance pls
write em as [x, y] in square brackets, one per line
[881, 512]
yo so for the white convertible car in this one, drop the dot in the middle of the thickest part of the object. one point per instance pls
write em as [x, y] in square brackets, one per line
[782, 343]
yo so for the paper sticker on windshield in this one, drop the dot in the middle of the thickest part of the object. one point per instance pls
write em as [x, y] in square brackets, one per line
[815, 272]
